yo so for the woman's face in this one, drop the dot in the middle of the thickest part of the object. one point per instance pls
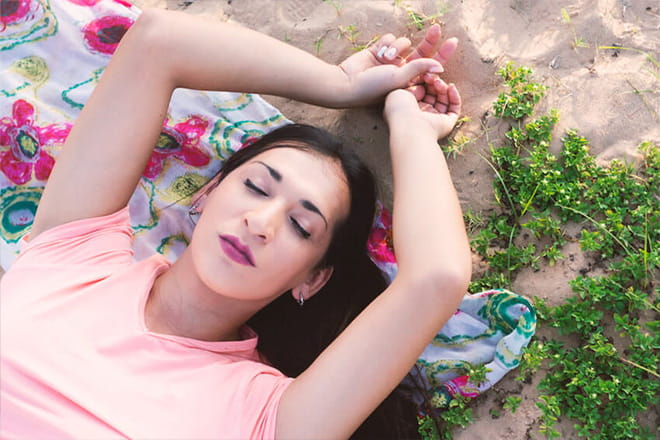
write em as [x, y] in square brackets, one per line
[267, 225]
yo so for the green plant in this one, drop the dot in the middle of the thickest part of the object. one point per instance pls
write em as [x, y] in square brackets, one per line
[577, 41]
[456, 145]
[603, 389]
[350, 32]
[359, 47]
[512, 403]
[648, 55]
[420, 20]
[532, 359]
[550, 412]
[477, 373]
[459, 414]
[522, 96]
[427, 428]
[599, 364]
[318, 43]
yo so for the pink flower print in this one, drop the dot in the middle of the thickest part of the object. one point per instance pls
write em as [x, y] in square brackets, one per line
[487, 293]
[25, 142]
[180, 142]
[463, 386]
[85, 2]
[14, 11]
[380, 243]
[104, 34]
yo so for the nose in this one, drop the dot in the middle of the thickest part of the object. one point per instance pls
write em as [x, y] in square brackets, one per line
[264, 220]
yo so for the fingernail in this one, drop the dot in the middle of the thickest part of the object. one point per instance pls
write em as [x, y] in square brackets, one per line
[390, 53]
[436, 69]
[382, 51]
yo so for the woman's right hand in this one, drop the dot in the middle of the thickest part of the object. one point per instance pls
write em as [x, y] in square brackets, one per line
[434, 104]
[391, 63]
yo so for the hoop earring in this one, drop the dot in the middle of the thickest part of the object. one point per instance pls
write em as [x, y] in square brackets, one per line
[193, 212]
[301, 299]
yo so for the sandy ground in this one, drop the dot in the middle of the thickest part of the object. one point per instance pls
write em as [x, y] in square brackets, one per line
[593, 89]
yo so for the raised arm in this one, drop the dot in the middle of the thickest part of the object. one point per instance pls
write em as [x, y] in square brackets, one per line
[341, 388]
[112, 140]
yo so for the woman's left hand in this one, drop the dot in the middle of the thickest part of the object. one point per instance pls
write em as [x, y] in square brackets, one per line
[433, 103]
[392, 63]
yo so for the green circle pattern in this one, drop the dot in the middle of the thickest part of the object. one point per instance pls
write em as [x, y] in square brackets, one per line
[18, 207]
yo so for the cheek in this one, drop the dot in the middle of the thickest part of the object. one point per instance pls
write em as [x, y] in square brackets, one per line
[223, 210]
[290, 264]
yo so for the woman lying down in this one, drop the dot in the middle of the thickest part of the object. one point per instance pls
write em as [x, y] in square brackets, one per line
[99, 346]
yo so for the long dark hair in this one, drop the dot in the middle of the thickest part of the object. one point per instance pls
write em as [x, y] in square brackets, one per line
[292, 337]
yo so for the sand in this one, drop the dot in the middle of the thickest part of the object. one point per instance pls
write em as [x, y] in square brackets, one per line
[593, 88]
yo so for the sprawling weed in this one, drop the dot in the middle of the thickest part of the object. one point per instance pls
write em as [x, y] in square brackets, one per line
[419, 20]
[350, 33]
[606, 378]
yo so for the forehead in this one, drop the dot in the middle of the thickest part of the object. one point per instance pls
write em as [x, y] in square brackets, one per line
[310, 175]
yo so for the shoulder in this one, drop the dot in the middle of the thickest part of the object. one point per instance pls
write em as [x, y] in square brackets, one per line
[105, 240]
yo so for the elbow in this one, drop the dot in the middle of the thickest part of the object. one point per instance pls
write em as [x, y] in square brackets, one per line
[454, 275]
[448, 283]
[451, 282]
[145, 29]
[146, 46]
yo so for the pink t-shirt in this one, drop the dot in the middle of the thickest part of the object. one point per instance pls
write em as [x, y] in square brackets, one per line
[77, 361]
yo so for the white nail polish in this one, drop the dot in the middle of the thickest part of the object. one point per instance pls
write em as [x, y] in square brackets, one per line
[382, 51]
[390, 53]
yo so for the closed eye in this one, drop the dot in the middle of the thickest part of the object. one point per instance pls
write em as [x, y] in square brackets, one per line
[296, 225]
[254, 188]
[302, 231]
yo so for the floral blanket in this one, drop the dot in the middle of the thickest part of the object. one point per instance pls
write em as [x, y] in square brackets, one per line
[52, 53]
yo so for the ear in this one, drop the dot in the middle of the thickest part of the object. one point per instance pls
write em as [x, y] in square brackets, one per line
[199, 202]
[199, 199]
[314, 283]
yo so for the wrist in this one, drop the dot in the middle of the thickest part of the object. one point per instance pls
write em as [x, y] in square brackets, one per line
[326, 85]
[411, 125]
[336, 90]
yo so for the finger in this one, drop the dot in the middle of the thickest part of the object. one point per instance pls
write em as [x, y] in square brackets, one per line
[449, 100]
[411, 74]
[426, 48]
[455, 102]
[429, 78]
[415, 68]
[418, 91]
[440, 90]
[446, 50]
[379, 47]
[426, 107]
[440, 107]
[393, 53]
[429, 99]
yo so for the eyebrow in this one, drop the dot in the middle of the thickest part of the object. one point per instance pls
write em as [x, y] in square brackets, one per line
[305, 203]
[273, 172]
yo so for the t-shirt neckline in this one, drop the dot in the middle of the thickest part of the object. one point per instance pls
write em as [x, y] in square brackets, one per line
[245, 346]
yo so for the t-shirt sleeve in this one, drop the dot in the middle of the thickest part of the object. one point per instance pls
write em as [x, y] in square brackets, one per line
[262, 403]
[95, 241]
